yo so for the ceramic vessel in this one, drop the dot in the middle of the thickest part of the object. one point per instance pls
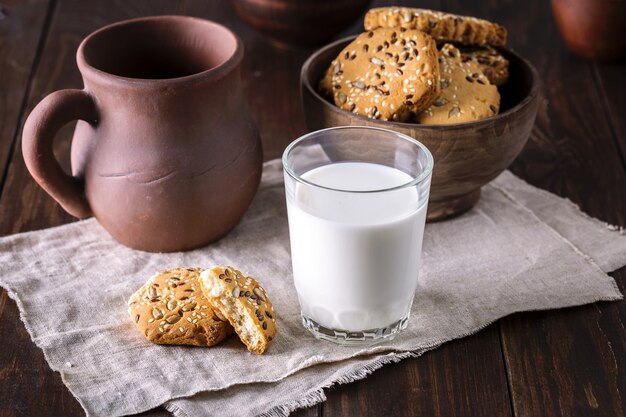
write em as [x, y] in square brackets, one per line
[593, 29]
[165, 155]
[300, 22]
[467, 155]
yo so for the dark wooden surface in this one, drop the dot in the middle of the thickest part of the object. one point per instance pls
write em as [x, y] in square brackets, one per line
[570, 362]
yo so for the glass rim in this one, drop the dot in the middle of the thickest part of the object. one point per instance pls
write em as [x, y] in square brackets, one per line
[423, 176]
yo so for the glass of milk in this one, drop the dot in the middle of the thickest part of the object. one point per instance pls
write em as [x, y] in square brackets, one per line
[356, 202]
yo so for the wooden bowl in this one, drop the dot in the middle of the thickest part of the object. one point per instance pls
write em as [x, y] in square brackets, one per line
[467, 155]
[300, 22]
[593, 29]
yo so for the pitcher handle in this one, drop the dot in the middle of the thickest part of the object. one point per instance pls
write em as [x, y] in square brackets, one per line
[42, 125]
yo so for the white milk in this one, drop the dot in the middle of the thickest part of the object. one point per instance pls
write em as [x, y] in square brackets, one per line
[355, 255]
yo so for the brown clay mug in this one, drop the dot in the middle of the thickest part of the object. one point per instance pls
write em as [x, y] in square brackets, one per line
[165, 153]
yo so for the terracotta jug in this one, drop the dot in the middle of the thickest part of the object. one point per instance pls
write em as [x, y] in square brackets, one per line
[165, 154]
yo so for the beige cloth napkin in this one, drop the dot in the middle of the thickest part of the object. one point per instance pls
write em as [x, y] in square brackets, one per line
[519, 249]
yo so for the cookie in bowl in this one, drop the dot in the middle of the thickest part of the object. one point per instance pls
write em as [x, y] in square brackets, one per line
[385, 74]
[442, 26]
[466, 93]
[491, 62]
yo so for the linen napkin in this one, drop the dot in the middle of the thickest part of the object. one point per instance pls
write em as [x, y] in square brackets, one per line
[518, 249]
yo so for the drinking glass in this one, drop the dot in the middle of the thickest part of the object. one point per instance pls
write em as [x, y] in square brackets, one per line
[356, 202]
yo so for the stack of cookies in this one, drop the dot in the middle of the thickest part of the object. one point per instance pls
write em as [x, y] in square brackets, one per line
[191, 306]
[420, 66]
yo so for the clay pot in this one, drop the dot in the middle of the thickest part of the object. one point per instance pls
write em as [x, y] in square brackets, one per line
[165, 155]
[467, 155]
[300, 22]
[593, 29]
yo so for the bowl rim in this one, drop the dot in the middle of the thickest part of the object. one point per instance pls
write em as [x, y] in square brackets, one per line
[532, 94]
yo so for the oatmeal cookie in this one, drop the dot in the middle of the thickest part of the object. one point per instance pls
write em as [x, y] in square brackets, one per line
[170, 309]
[385, 74]
[466, 93]
[244, 303]
[492, 63]
[441, 26]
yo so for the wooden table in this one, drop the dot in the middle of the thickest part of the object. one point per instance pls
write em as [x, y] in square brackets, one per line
[570, 362]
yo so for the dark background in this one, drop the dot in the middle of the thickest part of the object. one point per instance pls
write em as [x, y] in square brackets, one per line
[569, 362]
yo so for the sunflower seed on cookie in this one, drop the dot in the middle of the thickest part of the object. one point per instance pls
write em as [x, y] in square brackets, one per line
[170, 309]
[385, 74]
[244, 303]
[466, 93]
[441, 26]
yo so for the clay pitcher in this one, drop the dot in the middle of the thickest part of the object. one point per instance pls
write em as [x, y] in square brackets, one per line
[165, 154]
